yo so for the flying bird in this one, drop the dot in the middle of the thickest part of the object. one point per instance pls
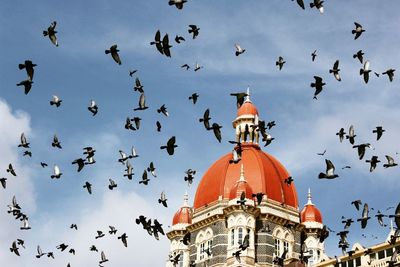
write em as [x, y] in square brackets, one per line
[157, 42]
[24, 143]
[396, 216]
[186, 66]
[359, 55]
[142, 103]
[330, 171]
[318, 85]
[379, 131]
[11, 170]
[80, 162]
[357, 203]
[179, 39]
[361, 149]
[163, 199]
[351, 135]
[239, 50]
[114, 53]
[39, 252]
[28, 66]
[280, 62]
[390, 74]
[112, 184]
[206, 119]
[390, 163]
[112, 230]
[163, 110]
[14, 248]
[300, 3]
[145, 180]
[51, 32]
[194, 97]
[27, 85]
[217, 131]
[152, 169]
[3, 182]
[177, 3]
[357, 31]
[88, 186]
[373, 161]
[103, 258]
[197, 67]
[56, 142]
[194, 30]
[57, 173]
[318, 5]
[313, 55]
[131, 72]
[365, 71]
[138, 86]
[341, 134]
[93, 108]
[170, 147]
[335, 70]
[364, 217]
[55, 100]
[158, 125]
[124, 239]
[166, 46]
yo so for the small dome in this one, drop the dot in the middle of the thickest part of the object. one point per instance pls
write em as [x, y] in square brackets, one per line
[184, 214]
[241, 186]
[247, 109]
[310, 213]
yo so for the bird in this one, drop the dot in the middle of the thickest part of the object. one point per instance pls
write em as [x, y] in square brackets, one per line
[288, 180]
[206, 119]
[103, 258]
[131, 72]
[347, 223]
[279, 260]
[390, 163]
[359, 55]
[318, 5]
[112, 184]
[3, 182]
[341, 134]
[152, 169]
[318, 85]
[11, 170]
[28, 66]
[93, 108]
[330, 171]
[170, 147]
[138, 86]
[158, 125]
[163, 199]
[390, 74]
[313, 55]
[39, 252]
[197, 67]
[300, 3]
[361, 149]
[163, 110]
[177, 3]
[194, 97]
[373, 161]
[189, 176]
[237, 255]
[51, 32]
[335, 70]
[27, 85]
[112, 230]
[74, 226]
[380, 216]
[145, 180]
[14, 206]
[61, 247]
[364, 218]
[43, 164]
[80, 162]
[179, 39]
[136, 120]
[365, 71]
[259, 196]
[280, 62]
[166, 46]
[57, 173]
[25, 224]
[351, 135]
[379, 131]
[186, 66]
[239, 50]
[114, 53]
[55, 101]
[124, 240]
[142, 103]
[88, 186]
[14, 248]
[56, 142]
[129, 170]
[100, 234]
[23, 141]
[245, 243]
[357, 203]
[240, 98]
[242, 199]
[321, 154]
[157, 42]
[217, 131]
[357, 31]
[194, 30]
[271, 124]
[128, 124]
[323, 234]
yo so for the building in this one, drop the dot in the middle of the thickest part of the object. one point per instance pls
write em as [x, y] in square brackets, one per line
[219, 220]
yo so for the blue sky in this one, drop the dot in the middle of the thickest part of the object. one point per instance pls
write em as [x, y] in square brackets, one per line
[78, 71]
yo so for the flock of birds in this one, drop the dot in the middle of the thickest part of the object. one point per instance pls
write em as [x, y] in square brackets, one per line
[153, 227]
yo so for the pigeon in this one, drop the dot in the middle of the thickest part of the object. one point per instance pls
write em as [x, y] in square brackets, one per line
[74, 226]
[197, 67]
[27, 85]
[194, 97]
[11, 170]
[158, 125]
[396, 216]
[113, 230]
[136, 120]
[279, 260]
[361, 149]
[56, 142]
[72, 251]
[157, 42]
[25, 224]
[237, 255]
[51, 32]
[365, 71]
[280, 62]
[288, 180]
[163, 199]
[313, 55]
[300, 3]
[245, 243]
[177, 3]
[321, 154]
[357, 31]
[186, 66]
[179, 39]
[88, 186]
[128, 124]
[3, 182]
[129, 170]
[163, 110]
[145, 180]
[373, 161]
[380, 216]
[138, 86]
[152, 169]
[28, 66]
[57, 173]
[335, 70]
[14, 248]
[239, 50]
[318, 5]
[341, 134]
[240, 97]
[318, 85]
[39, 252]
[189, 176]
[62, 247]
[170, 146]
[379, 131]
[390, 74]
[55, 101]
[242, 199]
[351, 135]
[194, 30]
[166, 46]
[80, 162]
[206, 119]
[124, 240]
[390, 163]
[14, 206]
[131, 72]
[359, 55]
[103, 258]
[186, 239]
[216, 129]
[357, 203]
[100, 234]
[271, 124]
[323, 234]
[330, 171]
[93, 107]
[364, 219]
[43, 164]
[236, 157]
[112, 184]
[347, 223]
[142, 103]
[114, 53]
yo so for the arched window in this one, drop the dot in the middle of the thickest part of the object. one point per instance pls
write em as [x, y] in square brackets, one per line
[240, 235]
[277, 250]
[204, 244]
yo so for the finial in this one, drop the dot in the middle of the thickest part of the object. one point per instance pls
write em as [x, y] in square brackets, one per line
[186, 199]
[248, 95]
[309, 197]
[241, 173]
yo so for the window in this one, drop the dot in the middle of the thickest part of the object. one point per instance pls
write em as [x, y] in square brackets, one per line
[350, 263]
[202, 252]
[358, 261]
[240, 235]
[286, 247]
[389, 252]
[381, 254]
[209, 246]
[232, 237]
[277, 247]
[180, 263]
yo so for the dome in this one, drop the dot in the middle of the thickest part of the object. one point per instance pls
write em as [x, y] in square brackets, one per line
[310, 213]
[264, 174]
[247, 109]
[240, 187]
[184, 214]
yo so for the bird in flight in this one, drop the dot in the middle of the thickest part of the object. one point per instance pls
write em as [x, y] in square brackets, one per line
[113, 50]
[51, 32]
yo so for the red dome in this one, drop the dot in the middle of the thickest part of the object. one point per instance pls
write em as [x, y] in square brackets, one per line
[263, 174]
[238, 188]
[183, 215]
[310, 213]
[247, 109]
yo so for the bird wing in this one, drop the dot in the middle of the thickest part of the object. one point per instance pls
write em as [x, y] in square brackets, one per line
[351, 130]
[357, 25]
[336, 65]
[389, 159]
[301, 3]
[56, 170]
[365, 211]
[157, 37]
[142, 101]
[366, 65]
[330, 168]
[171, 142]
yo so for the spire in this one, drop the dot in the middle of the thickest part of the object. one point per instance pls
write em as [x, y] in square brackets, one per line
[309, 197]
[242, 173]
[247, 99]
[186, 199]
